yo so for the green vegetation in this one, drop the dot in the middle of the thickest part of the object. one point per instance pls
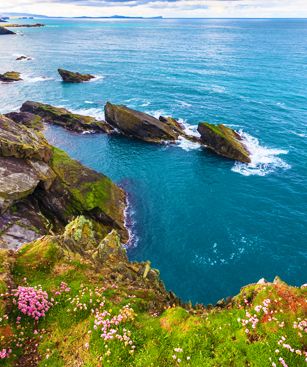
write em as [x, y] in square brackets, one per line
[105, 312]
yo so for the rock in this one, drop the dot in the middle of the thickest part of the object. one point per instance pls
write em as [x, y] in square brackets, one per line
[66, 119]
[71, 77]
[262, 281]
[110, 247]
[35, 174]
[10, 76]
[223, 141]
[4, 31]
[21, 58]
[179, 128]
[20, 142]
[17, 181]
[16, 25]
[26, 118]
[79, 190]
[139, 125]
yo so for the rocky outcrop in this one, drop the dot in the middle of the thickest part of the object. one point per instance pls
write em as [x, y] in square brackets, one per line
[139, 125]
[10, 76]
[23, 58]
[72, 77]
[223, 141]
[4, 31]
[26, 118]
[42, 188]
[65, 118]
[16, 25]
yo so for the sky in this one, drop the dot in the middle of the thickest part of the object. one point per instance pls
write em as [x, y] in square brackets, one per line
[166, 8]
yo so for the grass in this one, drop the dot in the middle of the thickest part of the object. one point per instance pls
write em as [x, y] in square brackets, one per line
[215, 337]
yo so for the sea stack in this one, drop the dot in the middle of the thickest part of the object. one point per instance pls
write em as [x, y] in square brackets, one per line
[223, 141]
[72, 77]
[139, 125]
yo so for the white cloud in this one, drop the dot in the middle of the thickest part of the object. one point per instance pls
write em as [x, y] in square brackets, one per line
[167, 8]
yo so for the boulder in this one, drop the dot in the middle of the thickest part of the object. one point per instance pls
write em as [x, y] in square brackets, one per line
[26, 118]
[20, 142]
[65, 118]
[139, 125]
[4, 31]
[72, 77]
[10, 76]
[223, 141]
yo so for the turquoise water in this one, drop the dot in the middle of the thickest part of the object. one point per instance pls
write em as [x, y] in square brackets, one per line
[208, 224]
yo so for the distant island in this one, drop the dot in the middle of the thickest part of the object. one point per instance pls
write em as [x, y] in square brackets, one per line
[32, 16]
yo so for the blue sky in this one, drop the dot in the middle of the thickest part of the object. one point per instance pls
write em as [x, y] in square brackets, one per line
[167, 8]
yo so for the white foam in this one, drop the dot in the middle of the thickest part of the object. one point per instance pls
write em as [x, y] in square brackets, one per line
[98, 113]
[89, 102]
[35, 79]
[263, 160]
[189, 130]
[129, 213]
[96, 78]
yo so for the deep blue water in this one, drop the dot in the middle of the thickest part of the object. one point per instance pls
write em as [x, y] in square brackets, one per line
[209, 225]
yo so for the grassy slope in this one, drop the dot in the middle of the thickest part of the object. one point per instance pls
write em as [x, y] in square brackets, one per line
[175, 337]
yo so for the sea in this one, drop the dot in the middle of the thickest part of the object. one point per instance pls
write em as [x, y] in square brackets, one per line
[210, 225]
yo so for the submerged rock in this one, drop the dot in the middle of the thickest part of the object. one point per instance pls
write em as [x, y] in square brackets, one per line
[223, 141]
[4, 31]
[10, 76]
[72, 77]
[139, 125]
[65, 118]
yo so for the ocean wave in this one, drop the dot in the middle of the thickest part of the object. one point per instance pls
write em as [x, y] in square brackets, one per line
[96, 78]
[184, 143]
[263, 160]
[98, 113]
[35, 79]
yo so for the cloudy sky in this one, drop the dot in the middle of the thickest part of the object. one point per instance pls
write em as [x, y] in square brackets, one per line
[167, 8]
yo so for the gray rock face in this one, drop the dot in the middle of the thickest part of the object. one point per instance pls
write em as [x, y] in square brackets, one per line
[17, 181]
[26, 118]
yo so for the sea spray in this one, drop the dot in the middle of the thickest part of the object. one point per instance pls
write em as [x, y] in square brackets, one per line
[263, 160]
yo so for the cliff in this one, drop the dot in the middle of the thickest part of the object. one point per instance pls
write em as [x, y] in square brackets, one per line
[69, 296]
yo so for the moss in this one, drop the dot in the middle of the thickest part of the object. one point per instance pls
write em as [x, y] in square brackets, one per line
[89, 189]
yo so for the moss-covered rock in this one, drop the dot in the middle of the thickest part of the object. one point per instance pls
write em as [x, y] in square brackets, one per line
[65, 118]
[223, 141]
[139, 125]
[80, 190]
[20, 142]
[72, 77]
[10, 76]
[26, 118]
